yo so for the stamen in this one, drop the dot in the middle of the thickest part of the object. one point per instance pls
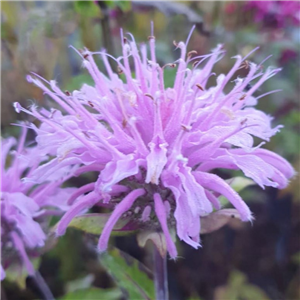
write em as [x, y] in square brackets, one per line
[119, 70]
[191, 53]
[263, 95]
[244, 121]
[186, 128]
[148, 95]
[169, 65]
[52, 113]
[243, 97]
[195, 63]
[199, 86]
[244, 65]
[190, 34]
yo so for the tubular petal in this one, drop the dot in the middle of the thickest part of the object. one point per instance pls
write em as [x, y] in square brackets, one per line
[122, 207]
[162, 217]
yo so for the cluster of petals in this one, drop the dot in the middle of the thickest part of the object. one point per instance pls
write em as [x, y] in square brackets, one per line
[23, 202]
[283, 12]
[155, 148]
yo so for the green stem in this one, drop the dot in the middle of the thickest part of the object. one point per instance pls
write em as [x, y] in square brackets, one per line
[3, 294]
[43, 287]
[160, 275]
[106, 34]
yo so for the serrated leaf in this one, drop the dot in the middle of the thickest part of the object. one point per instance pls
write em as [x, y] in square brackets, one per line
[93, 294]
[134, 279]
[94, 224]
[218, 219]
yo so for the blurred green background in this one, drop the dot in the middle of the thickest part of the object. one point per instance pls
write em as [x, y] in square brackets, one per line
[237, 262]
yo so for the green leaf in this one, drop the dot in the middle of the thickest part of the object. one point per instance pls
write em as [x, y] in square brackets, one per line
[169, 77]
[296, 258]
[129, 274]
[125, 6]
[18, 274]
[94, 224]
[238, 287]
[76, 82]
[110, 4]
[68, 250]
[87, 8]
[239, 183]
[80, 283]
[93, 293]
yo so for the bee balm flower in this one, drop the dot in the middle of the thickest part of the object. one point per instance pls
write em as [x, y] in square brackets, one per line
[156, 148]
[275, 14]
[23, 202]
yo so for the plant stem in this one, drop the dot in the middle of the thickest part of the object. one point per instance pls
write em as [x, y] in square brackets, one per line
[106, 34]
[43, 287]
[160, 275]
[3, 294]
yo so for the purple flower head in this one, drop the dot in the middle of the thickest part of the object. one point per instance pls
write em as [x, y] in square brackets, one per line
[22, 202]
[275, 13]
[156, 148]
